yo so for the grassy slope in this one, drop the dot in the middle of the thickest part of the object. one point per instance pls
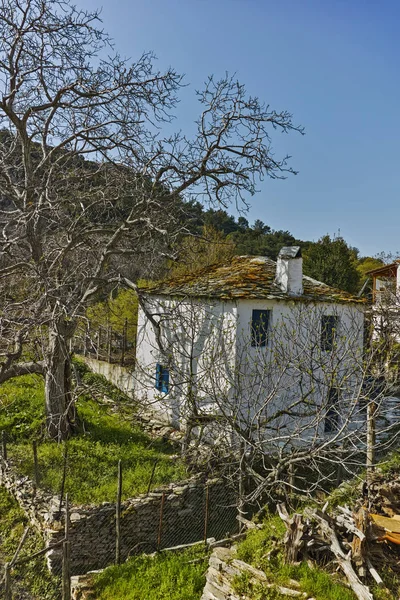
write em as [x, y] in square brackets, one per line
[167, 575]
[171, 576]
[106, 436]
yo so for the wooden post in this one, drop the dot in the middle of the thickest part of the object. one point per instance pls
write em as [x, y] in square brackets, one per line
[7, 582]
[161, 521]
[66, 564]
[118, 516]
[4, 444]
[66, 571]
[109, 343]
[241, 487]
[66, 524]
[63, 476]
[35, 462]
[371, 432]
[206, 513]
[152, 476]
[124, 332]
[291, 479]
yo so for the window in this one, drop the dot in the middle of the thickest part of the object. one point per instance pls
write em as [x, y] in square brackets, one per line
[329, 325]
[332, 411]
[259, 327]
[162, 379]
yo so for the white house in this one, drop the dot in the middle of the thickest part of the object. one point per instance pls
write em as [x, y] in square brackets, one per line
[254, 342]
[386, 301]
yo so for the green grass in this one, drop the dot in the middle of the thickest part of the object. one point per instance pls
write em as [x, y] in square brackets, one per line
[22, 407]
[167, 575]
[106, 436]
[31, 577]
[263, 549]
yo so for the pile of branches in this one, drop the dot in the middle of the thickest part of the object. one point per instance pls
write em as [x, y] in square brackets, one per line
[359, 542]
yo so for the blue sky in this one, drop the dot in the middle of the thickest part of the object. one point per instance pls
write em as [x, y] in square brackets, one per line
[332, 64]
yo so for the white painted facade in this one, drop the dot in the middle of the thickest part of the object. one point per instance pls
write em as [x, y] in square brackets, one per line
[206, 345]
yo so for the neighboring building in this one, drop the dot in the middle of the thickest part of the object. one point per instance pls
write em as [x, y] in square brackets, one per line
[252, 338]
[386, 302]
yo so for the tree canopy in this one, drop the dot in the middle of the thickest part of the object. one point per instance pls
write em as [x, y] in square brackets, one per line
[90, 184]
[334, 262]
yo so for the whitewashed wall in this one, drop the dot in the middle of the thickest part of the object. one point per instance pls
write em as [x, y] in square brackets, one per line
[207, 345]
[198, 346]
[292, 365]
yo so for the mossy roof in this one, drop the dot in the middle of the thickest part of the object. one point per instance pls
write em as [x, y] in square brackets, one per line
[251, 277]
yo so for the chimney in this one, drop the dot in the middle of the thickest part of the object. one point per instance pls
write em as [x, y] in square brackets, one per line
[289, 270]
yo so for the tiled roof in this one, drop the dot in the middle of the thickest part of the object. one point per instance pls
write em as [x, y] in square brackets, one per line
[245, 277]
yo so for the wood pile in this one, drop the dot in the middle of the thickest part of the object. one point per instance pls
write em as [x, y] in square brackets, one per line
[360, 542]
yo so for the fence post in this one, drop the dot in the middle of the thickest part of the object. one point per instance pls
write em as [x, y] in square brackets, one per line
[35, 462]
[4, 444]
[206, 513]
[152, 476]
[241, 487]
[7, 582]
[66, 563]
[109, 343]
[161, 521]
[124, 333]
[63, 476]
[371, 435]
[118, 516]
[98, 344]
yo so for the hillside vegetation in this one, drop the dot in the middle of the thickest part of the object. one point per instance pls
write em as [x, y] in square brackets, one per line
[107, 433]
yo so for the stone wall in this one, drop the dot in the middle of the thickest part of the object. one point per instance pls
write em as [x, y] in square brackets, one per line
[93, 531]
[224, 567]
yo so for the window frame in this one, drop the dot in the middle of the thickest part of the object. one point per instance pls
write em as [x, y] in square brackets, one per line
[331, 421]
[329, 330]
[259, 336]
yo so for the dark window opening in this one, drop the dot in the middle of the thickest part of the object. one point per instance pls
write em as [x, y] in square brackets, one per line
[332, 411]
[329, 325]
[162, 379]
[259, 327]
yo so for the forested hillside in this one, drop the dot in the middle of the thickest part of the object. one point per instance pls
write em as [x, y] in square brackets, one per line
[215, 235]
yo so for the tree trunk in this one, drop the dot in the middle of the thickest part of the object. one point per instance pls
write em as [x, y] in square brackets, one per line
[59, 406]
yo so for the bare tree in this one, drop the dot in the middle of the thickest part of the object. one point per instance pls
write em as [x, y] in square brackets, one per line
[288, 407]
[88, 181]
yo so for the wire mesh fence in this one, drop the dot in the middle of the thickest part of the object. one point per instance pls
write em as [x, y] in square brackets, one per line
[106, 344]
[80, 537]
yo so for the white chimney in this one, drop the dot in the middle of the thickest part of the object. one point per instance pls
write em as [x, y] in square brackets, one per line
[289, 270]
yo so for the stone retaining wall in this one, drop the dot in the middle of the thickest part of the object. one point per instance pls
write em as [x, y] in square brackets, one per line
[92, 528]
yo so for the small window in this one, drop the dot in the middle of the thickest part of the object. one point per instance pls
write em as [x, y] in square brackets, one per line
[259, 327]
[329, 325]
[332, 411]
[162, 379]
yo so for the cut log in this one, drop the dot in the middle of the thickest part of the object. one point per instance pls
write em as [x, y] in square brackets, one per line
[294, 533]
[361, 591]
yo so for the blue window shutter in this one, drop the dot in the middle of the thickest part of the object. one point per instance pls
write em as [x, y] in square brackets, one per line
[165, 381]
[158, 376]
